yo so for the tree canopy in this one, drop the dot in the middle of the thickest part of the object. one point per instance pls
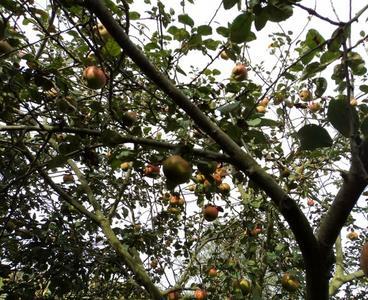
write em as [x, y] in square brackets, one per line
[146, 154]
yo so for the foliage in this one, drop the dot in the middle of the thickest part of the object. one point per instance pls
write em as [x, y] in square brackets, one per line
[86, 210]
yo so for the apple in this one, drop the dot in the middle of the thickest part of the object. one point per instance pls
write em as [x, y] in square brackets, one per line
[264, 102]
[95, 77]
[151, 171]
[125, 166]
[174, 199]
[129, 118]
[279, 97]
[245, 285]
[224, 188]
[256, 230]
[200, 294]
[353, 235]
[177, 170]
[174, 295]
[310, 202]
[68, 178]
[239, 72]
[290, 282]
[200, 178]
[212, 272]
[314, 106]
[305, 95]
[102, 32]
[353, 102]
[224, 55]
[261, 109]
[217, 178]
[210, 212]
[153, 263]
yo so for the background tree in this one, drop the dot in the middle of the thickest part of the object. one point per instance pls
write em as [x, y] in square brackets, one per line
[93, 108]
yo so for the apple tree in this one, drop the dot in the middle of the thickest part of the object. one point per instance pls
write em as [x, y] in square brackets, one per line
[146, 154]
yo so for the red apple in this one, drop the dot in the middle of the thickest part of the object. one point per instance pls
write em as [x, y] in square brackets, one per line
[239, 72]
[200, 294]
[95, 77]
[212, 272]
[210, 212]
[310, 202]
[151, 171]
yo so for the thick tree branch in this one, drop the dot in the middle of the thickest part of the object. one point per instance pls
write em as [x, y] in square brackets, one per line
[288, 208]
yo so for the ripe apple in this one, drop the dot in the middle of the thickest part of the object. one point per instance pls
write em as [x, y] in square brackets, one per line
[314, 106]
[174, 295]
[200, 294]
[217, 178]
[177, 170]
[224, 188]
[174, 199]
[224, 55]
[310, 202]
[68, 178]
[305, 95]
[289, 282]
[256, 230]
[264, 102]
[239, 72]
[210, 212]
[212, 272]
[102, 32]
[95, 77]
[353, 235]
[151, 171]
[261, 109]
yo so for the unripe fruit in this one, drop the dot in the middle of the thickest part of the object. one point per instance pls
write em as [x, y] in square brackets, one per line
[239, 72]
[102, 32]
[94, 77]
[245, 285]
[224, 55]
[177, 170]
[305, 95]
[290, 282]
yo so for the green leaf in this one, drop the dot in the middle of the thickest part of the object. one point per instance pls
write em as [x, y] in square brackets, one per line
[224, 31]
[240, 28]
[260, 18]
[229, 107]
[229, 3]
[339, 114]
[312, 136]
[204, 30]
[321, 86]
[364, 88]
[111, 48]
[329, 57]
[311, 69]
[133, 15]
[314, 39]
[279, 12]
[185, 19]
